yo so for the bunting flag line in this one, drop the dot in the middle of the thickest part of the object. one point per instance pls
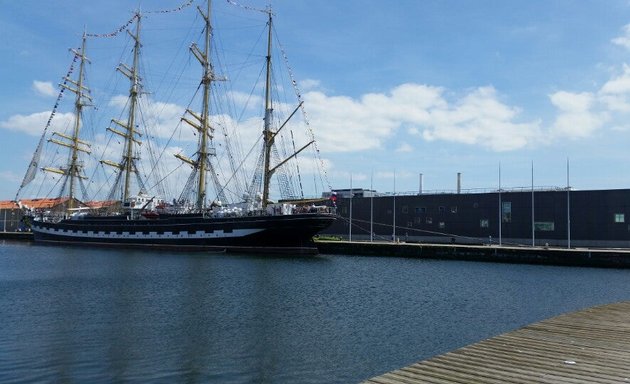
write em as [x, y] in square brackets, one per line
[298, 93]
[31, 171]
[248, 7]
[130, 21]
[61, 91]
[116, 32]
[187, 4]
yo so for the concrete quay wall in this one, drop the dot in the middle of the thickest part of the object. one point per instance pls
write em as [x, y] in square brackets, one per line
[583, 257]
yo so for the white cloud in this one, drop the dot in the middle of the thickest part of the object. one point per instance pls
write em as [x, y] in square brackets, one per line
[404, 148]
[44, 88]
[161, 119]
[9, 177]
[35, 123]
[580, 115]
[479, 118]
[344, 125]
[572, 102]
[620, 128]
[119, 101]
[619, 84]
[615, 103]
[309, 84]
[242, 100]
[576, 117]
[624, 40]
[393, 174]
[616, 91]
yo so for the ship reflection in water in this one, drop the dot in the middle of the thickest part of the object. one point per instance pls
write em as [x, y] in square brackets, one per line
[102, 315]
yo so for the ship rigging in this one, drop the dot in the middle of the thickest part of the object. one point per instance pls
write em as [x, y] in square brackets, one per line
[192, 219]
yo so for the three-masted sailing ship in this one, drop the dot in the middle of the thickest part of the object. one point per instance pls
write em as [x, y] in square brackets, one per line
[145, 220]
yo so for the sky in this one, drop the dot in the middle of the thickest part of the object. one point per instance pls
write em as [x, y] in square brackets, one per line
[392, 89]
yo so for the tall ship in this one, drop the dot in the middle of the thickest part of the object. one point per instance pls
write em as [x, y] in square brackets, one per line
[204, 215]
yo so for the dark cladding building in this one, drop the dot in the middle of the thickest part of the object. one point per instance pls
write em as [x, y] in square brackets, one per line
[558, 217]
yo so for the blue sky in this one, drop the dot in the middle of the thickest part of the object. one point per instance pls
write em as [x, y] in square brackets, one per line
[393, 89]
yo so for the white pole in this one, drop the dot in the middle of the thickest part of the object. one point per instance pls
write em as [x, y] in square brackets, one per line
[394, 211]
[371, 207]
[533, 225]
[500, 207]
[568, 208]
[351, 196]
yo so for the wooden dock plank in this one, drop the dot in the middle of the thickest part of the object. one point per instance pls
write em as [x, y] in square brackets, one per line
[506, 362]
[460, 370]
[587, 346]
[509, 369]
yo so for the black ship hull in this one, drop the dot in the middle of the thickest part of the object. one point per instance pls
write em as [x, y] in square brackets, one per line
[276, 234]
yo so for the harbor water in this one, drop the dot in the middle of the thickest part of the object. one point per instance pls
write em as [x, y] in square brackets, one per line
[80, 314]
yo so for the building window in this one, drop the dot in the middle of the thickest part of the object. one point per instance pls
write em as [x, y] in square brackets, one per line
[419, 220]
[429, 220]
[405, 209]
[410, 224]
[442, 209]
[506, 212]
[620, 218]
[442, 225]
[421, 209]
[484, 223]
[544, 226]
[454, 209]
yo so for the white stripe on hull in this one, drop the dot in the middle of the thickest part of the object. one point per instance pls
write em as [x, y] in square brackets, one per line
[152, 235]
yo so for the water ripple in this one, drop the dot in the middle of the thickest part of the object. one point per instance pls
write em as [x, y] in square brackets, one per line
[103, 316]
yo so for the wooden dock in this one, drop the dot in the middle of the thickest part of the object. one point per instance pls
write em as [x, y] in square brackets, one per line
[588, 346]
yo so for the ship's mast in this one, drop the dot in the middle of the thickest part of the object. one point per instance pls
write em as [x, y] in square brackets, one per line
[74, 169]
[128, 159]
[201, 122]
[128, 164]
[268, 135]
[205, 128]
[74, 163]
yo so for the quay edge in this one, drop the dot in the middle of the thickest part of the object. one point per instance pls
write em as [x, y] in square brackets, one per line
[579, 257]
[24, 236]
